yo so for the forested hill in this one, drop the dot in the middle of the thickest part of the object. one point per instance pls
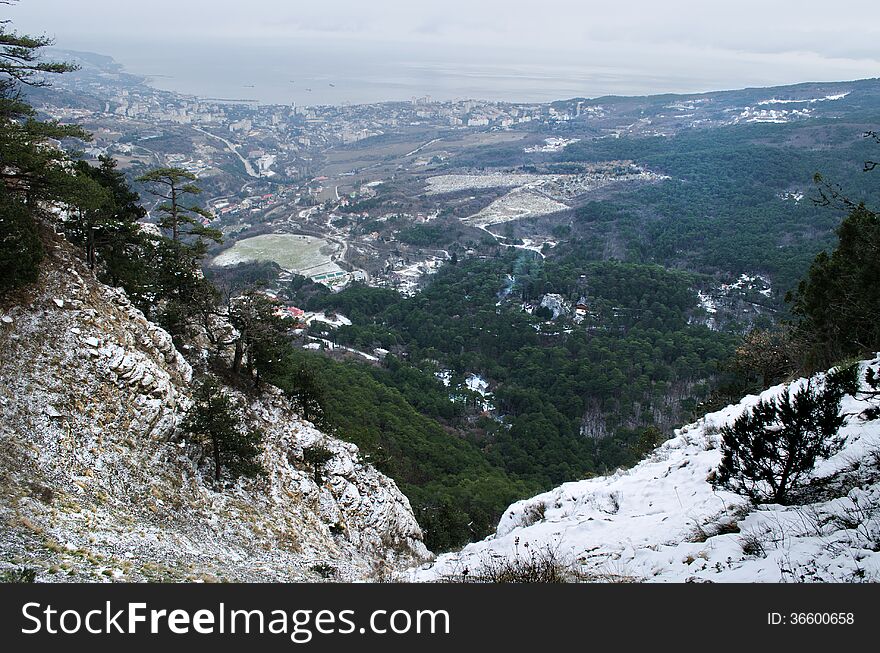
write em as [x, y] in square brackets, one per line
[739, 167]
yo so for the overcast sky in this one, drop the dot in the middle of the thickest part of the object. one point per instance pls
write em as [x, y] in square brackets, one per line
[742, 41]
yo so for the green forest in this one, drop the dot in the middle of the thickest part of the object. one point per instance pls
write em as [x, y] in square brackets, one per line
[721, 210]
[634, 362]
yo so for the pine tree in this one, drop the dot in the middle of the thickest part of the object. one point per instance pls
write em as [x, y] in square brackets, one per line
[316, 457]
[839, 301]
[262, 339]
[20, 247]
[182, 220]
[20, 60]
[215, 423]
[180, 289]
[32, 171]
[307, 392]
[105, 221]
[769, 449]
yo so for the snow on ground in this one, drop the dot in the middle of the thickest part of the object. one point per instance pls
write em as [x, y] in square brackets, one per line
[536, 246]
[710, 306]
[662, 521]
[827, 98]
[556, 304]
[520, 203]
[407, 280]
[722, 296]
[755, 282]
[779, 116]
[536, 195]
[322, 343]
[473, 382]
[454, 183]
[552, 144]
[755, 114]
[477, 383]
[706, 302]
[336, 320]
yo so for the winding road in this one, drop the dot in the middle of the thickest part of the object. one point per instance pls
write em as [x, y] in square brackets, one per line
[229, 146]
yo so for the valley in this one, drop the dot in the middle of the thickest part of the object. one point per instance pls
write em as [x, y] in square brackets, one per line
[496, 297]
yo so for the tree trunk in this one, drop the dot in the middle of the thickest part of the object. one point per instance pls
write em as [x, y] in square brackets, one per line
[216, 452]
[90, 246]
[239, 354]
[174, 229]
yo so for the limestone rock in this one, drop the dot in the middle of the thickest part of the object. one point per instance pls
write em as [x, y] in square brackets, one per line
[92, 411]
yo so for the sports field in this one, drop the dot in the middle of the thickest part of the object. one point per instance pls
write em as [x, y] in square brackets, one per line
[304, 255]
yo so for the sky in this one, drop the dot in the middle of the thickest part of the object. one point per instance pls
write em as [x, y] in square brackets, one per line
[694, 45]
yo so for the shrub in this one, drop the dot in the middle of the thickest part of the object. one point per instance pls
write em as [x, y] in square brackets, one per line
[753, 544]
[769, 450]
[215, 423]
[534, 513]
[316, 457]
[324, 570]
[20, 575]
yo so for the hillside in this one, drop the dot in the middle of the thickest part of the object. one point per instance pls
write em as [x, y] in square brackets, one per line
[96, 483]
[662, 521]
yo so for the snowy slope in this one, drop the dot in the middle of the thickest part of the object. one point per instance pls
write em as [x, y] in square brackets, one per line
[95, 482]
[661, 521]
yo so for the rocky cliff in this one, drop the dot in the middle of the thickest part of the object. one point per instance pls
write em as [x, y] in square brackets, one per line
[95, 482]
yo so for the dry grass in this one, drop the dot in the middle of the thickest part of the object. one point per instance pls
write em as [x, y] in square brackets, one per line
[538, 565]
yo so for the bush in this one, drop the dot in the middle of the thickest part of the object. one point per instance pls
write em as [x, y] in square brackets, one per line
[534, 513]
[316, 457]
[20, 575]
[752, 544]
[769, 450]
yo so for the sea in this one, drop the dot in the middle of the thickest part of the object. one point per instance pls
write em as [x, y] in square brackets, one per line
[345, 72]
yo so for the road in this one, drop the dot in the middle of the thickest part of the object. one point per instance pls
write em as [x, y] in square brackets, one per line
[422, 147]
[229, 146]
[499, 239]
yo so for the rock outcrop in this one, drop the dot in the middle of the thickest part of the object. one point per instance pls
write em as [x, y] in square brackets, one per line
[95, 482]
